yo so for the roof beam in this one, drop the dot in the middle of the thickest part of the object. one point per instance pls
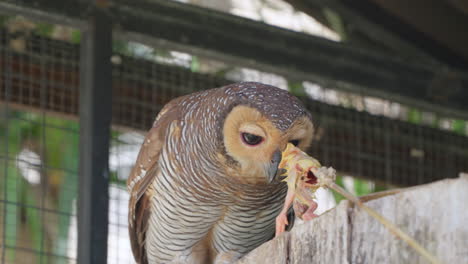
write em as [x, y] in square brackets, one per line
[424, 30]
[438, 21]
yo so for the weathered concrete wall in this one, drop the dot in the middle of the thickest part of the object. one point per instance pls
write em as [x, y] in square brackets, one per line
[436, 215]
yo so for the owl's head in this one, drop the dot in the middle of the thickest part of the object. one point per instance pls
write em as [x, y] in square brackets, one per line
[258, 126]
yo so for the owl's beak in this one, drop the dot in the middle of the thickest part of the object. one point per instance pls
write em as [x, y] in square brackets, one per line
[273, 166]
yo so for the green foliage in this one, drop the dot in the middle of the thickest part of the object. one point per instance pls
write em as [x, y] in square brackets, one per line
[381, 187]
[11, 195]
[335, 22]
[44, 29]
[32, 215]
[3, 20]
[115, 179]
[436, 121]
[56, 141]
[360, 187]
[414, 116]
[459, 127]
[195, 64]
[121, 47]
[76, 36]
[296, 88]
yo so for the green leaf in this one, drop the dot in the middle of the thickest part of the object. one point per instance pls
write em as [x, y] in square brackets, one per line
[459, 127]
[296, 88]
[195, 64]
[414, 116]
[76, 37]
[68, 193]
[12, 210]
[44, 29]
[33, 215]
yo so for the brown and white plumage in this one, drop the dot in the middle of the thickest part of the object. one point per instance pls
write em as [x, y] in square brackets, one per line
[199, 191]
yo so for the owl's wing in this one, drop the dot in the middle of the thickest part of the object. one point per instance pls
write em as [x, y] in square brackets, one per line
[142, 175]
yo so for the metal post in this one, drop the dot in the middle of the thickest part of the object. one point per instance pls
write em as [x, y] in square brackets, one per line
[95, 119]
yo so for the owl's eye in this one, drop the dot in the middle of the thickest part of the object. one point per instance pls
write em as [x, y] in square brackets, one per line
[251, 139]
[295, 142]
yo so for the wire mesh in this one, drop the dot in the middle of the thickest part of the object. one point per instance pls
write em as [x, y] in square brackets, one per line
[38, 183]
[383, 142]
[363, 137]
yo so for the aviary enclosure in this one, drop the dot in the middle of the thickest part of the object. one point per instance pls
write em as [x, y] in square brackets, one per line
[75, 75]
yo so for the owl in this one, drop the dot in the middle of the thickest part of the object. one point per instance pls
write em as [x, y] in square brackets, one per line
[204, 187]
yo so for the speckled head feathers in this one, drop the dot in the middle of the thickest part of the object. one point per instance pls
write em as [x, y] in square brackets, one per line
[281, 107]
